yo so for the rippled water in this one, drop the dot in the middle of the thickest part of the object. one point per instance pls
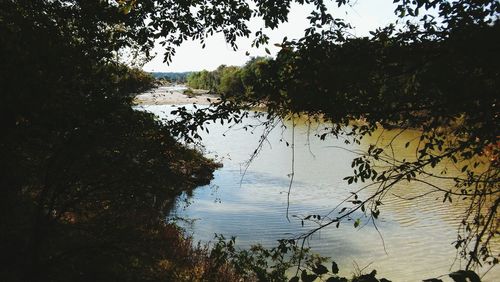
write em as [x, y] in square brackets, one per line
[416, 236]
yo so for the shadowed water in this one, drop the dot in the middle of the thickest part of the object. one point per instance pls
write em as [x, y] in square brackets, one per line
[415, 240]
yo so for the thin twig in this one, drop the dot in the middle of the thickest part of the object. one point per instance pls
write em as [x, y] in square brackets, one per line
[293, 170]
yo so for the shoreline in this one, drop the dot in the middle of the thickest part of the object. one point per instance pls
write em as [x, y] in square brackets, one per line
[173, 95]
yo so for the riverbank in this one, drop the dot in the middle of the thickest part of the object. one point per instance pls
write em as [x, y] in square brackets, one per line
[175, 95]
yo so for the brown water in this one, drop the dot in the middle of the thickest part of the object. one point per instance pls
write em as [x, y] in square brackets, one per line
[417, 234]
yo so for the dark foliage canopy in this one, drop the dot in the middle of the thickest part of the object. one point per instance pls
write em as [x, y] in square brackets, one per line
[434, 70]
[85, 181]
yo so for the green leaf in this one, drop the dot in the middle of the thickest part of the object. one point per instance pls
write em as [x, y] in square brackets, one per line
[464, 275]
[320, 269]
[335, 268]
[294, 279]
[357, 222]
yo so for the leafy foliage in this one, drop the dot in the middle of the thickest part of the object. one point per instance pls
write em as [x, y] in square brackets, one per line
[231, 81]
[85, 180]
[435, 71]
[260, 264]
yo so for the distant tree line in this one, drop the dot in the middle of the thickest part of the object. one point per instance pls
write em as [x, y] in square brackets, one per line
[231, 81]
[174, 77]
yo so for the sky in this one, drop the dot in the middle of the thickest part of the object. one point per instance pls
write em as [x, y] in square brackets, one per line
[364, 16]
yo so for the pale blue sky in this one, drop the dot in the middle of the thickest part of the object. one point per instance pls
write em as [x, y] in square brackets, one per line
[365, 15]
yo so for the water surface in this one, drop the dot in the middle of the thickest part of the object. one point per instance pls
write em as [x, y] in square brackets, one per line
[415, 240]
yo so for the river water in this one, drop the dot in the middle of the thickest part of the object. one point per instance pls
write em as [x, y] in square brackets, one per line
[415, 240]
